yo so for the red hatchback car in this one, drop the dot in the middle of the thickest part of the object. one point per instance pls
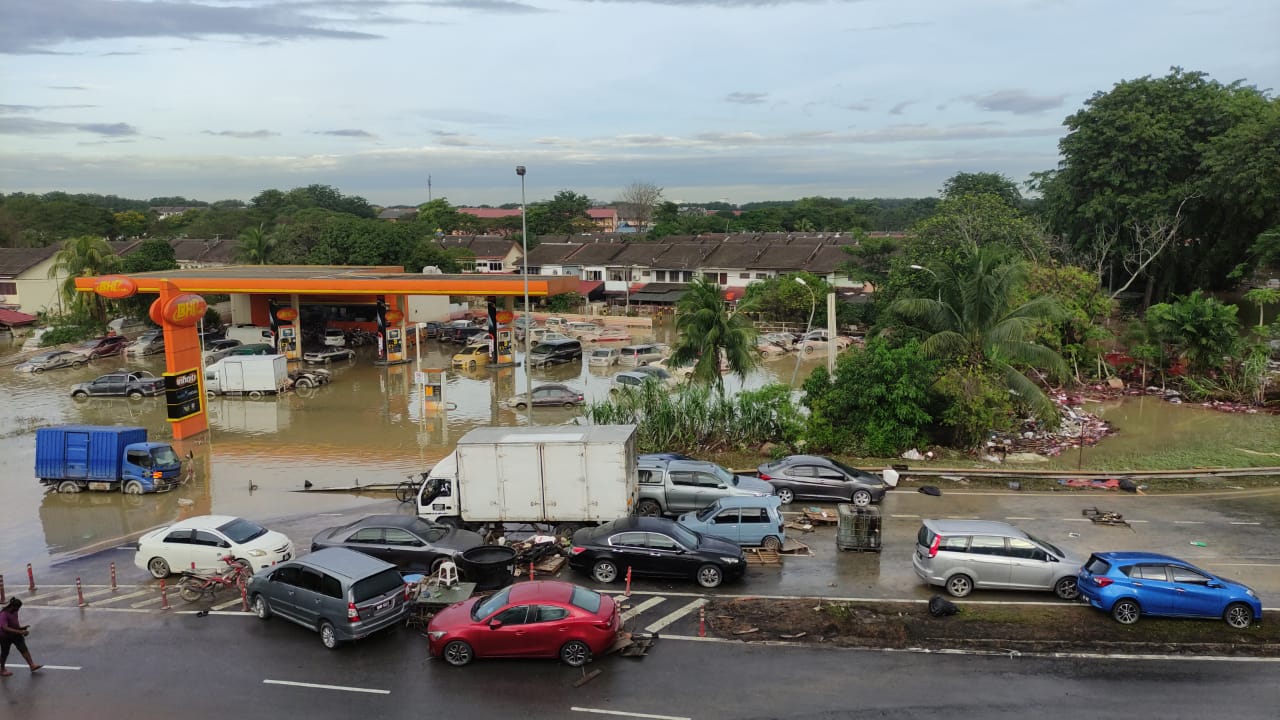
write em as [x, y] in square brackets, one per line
[542, 619]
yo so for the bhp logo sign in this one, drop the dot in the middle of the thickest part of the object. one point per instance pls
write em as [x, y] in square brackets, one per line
[115, 287]
[185, 310]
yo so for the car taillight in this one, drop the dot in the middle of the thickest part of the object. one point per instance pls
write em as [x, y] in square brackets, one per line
[765, 476]
[575, 550]
[1102, 581]
[933, 549]
[406, 591]
[353, 615]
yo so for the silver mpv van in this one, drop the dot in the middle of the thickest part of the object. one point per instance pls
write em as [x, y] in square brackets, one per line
[342, 594]
[961, 555]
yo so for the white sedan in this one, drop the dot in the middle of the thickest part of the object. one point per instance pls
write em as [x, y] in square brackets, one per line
[204, 540]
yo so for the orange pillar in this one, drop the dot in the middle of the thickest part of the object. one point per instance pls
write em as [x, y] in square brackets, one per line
[178, 313]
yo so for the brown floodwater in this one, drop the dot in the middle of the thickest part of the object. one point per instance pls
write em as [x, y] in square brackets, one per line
[368, 426]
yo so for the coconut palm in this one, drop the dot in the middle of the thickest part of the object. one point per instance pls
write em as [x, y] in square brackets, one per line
[710, 330]
[256, 245]
[83, 256]
[971, 319]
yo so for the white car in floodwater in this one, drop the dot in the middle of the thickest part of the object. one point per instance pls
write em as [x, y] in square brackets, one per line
[204, 540]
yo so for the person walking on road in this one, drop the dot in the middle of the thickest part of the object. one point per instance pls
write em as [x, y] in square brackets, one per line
[14, 635]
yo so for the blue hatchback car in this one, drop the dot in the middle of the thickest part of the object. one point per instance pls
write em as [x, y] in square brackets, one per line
[1129, 585]
[746, 520]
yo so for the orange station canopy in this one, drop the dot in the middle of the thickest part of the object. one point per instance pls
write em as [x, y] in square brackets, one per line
[340, 280]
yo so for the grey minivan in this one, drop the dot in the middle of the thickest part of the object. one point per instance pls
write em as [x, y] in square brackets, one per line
[961, 555]
[342, 594]
[554, 352]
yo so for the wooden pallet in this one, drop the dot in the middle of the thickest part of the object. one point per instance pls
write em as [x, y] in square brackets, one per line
[760, 556]
[821, 517]
[551, 565]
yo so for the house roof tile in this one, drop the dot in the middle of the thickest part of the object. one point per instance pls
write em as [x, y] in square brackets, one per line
[552, 253]
[490, 213]
[828, 259]
[15, 261]
[783, 257]
[732, 255]
[683, 256]
[600, 253]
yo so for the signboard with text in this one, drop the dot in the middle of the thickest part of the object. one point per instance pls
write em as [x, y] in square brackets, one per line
[183, 394]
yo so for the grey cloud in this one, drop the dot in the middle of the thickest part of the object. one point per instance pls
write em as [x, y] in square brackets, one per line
[242, 134]
[1018, 102]
[857, 107]
[14, 109]
[493, 6]
[67, 87]
[453, 139]
[32, 126]
[40, 26]
[746, 98]
[724, 3]
[891, 26]
[349, 132]
[897, 109]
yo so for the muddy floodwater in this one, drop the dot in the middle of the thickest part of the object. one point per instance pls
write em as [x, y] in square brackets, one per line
[369, 426]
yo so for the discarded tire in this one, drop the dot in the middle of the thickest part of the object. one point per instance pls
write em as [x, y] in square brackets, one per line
[489, 566]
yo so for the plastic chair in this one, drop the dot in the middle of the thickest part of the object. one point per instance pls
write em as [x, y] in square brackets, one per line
[447, 575]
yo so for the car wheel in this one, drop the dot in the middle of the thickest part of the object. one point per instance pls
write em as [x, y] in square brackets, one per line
[68, 486]
[259, 605]
[771, 543]
[1238, 616]
[575, 653]
[521, 406]
[604, 571]
[808, 349]
[457, 653]
[1126, 612]
[568, 406]
[133, 487]
[158, 567]
[77, 363]
[959, 585]
[1066, 588]
[189, 590]
[135, 395]
[79, 395]
[786, 495]
[38, 370]
[709, 576]
[328, 635]
[304, 382]
[649, 508]
[861, 498]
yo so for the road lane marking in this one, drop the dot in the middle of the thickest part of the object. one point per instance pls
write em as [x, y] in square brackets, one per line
[151, 601]
[905, 516]
[674, 616]
[139, 593]
[642, 607]
[87, 607]
[1233, 522]
[1076, 520]
[1188, 522]
[331, 514]
[1014, 517]
[622, 713]
[97, 593]
[962, 517]
[319, 686]
[60, 667]
[227, 604]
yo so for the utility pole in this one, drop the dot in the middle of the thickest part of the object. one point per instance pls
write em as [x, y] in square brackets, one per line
[428, 188]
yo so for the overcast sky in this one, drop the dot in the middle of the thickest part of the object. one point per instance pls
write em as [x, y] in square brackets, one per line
[736, 100]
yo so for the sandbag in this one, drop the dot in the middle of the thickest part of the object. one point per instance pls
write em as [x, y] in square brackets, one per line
[942, 607]
[930, 490]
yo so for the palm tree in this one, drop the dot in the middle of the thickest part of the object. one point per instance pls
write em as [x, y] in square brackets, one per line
[972, 320]
[256, 245]
[83, 256]
[709, 330]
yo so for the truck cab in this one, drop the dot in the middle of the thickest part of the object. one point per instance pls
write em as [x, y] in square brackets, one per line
[670, 486]
[436, 500]
[72, 458]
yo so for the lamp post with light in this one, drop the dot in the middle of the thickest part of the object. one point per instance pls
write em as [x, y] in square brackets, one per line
[813, 307]
[528, 316]
[936, 279]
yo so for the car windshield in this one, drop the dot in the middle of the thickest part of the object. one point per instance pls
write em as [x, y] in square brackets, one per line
[371, 587]
[489, 606]
[429, 531]
[543, 349]
[588, 600]
[705, 513]
[724, 476]
[241, 531]
[601, 353]
[164, 456]
[1049, 546]
[684, 536]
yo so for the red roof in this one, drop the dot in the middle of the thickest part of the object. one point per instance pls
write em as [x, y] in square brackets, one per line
[586, 287]
[490, 213]
[601, 213]
[13, 317]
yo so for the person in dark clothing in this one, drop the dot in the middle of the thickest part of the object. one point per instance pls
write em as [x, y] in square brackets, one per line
[12, 634]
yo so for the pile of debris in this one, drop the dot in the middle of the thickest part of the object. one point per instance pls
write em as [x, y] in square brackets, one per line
[1076, 427]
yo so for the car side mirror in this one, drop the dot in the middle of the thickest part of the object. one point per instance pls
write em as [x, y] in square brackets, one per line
[1215, 585]
[495, 624]
[723, 487]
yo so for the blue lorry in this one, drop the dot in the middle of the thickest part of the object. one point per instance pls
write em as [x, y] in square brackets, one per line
[72, 458]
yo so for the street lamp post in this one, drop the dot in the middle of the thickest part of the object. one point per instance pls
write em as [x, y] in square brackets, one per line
[812, 308]
[936, 279]
[528, 316]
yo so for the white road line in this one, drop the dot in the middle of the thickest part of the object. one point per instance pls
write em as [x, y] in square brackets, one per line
[905, 516]
[99, 609]
[222, 613]
[1233, 522]
[642, 607]
[144, 603]
[331, 514]
[97, 593]
[139, 593]
[674, 616]
[962, 517]
[1139, 521]
[598, 711]
[320, 686]
[60, 667]
[1188, 522]
[1013, 517]
[1076, 520]
[227, 604]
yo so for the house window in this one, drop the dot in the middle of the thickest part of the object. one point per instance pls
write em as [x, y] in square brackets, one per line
[688, 276]
[744, 276]
[660, 275]
[594, 275]
[8, 288]
[762, 276]
[645, 273]
[615, 275]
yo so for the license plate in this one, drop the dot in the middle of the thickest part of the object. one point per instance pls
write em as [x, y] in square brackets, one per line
[382, 606]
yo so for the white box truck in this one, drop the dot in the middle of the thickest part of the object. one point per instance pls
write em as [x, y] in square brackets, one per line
[252, 375]
[561, 478]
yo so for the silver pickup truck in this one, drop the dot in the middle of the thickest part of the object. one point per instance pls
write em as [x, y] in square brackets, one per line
[673, 486]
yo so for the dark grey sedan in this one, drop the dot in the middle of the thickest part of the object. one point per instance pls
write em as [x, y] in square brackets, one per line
[811, 477]
[406, 541]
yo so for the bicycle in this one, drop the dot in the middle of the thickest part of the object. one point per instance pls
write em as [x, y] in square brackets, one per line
[195, 585]
[407, 490]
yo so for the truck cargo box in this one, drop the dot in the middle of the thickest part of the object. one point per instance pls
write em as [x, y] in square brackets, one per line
[84, 452]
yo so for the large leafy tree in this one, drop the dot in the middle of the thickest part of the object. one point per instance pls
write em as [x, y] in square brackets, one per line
[438, 216]
[1151, 149]
[983, 183]
[1197, 327]
[972, 319]
[256, 246]
[709, 329]
[782, 299]
[84, 256]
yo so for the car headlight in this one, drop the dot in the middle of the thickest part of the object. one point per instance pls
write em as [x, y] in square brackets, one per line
[1252, 594]
[437, 634]
[729, 560]
[257, 553]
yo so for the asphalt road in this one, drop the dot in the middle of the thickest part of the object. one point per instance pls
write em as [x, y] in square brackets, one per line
[131, 666]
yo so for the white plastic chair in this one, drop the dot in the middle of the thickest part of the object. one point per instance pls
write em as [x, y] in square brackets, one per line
[447, 575]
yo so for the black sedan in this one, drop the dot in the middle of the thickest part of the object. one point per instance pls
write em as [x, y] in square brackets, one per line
[406, 541]
[655, 547]
[132, 385]
[810, 477]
